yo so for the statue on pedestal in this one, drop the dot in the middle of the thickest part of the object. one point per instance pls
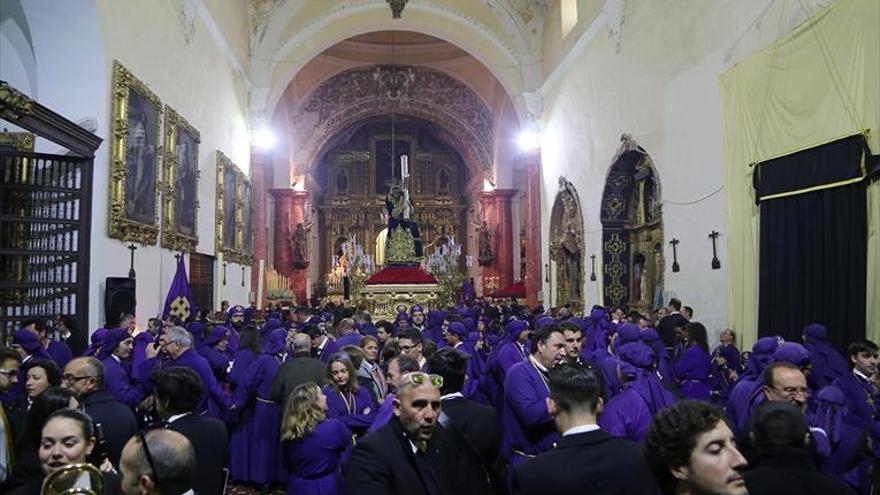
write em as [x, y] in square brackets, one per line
[484, 248]
[404, 244]
[300, 241]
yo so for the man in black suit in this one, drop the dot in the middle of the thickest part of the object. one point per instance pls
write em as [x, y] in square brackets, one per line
[586, 459]
[472, 426]
[176, 394]
[85, 377]
[407, 455]
[300, 368]
[667, 324]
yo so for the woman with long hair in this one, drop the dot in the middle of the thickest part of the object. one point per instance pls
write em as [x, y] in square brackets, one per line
[692, 370]
[347, 401]
[40, 374]
[27, 463]
[314, 448]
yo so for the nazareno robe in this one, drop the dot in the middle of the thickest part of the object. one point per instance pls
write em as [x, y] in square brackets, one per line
[827, 364]
[119, 384]
[315, 462]
[355, 410]
[527, 429]
[692, 371]
[242, 422]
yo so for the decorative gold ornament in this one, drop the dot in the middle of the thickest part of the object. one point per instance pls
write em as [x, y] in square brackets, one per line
[397, 7]
[83, 479]
[382, 300]
[401, 248]
[135, 156]
[181, 184]
[229, 214]
[13, 103]
[19, 141]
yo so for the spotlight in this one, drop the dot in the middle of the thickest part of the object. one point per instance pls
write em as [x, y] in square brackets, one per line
[529, 140]
[263, 139]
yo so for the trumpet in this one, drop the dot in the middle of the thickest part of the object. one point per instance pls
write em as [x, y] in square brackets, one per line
[73, 479]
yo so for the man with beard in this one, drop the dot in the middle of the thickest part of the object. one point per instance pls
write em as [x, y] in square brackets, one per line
[405, 456]
[417, 318]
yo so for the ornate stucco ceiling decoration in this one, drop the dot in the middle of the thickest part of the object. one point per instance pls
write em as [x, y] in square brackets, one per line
[371, 91]
[408, 47]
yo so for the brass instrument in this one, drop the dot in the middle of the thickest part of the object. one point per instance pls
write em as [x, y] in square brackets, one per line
[73, 479]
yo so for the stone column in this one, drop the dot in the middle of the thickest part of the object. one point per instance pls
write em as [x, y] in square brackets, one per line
[499, 217]
[259, 163]
[533, 276]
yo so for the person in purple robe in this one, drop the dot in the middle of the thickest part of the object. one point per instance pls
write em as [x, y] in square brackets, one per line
[264, 464]
[346, 400]
[788, 352]
[652, 339]
[457, 337]
[596, 332]
[527, 428]
[270, 326]
[213, 349]
[513, 348]
[236, 324]
[241, 423]
[628, 415]
[346, 334]
[692, 370]
[314, 448]
[723, 373]
[858, 386]
[606, 359]
[97, 340]
[434, 326]
[116, 349]
[846, 440]
[139, 352]
[828, 364]
[737, 402]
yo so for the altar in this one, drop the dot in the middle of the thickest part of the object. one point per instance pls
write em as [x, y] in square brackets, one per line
[397, 285]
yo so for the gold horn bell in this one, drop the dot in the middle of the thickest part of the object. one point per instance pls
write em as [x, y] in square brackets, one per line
[74, 479]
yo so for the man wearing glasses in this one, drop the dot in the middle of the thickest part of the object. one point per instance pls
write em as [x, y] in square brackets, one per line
[9, 364]
[85, 376]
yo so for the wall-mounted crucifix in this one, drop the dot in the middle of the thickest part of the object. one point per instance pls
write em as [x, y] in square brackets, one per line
[675, 267]
[132, 248]
[593, 273]
[716, 263]
[224, 273]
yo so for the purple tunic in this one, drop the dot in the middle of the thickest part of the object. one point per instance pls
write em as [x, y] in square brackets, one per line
[692, 371]
[827, 364]
[60, 353]
[241, 430]
[118, 383]
[510, 354]
[214, 399]
[139, 355]
[626, 416]
[357, 411]
[315, 461]
[353, 338]
[526, 426]
[264, 463]
[861, 397]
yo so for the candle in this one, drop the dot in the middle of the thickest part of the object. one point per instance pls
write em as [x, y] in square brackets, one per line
[404, 166]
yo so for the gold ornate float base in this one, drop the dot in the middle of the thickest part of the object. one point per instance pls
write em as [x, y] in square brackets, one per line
[382, 300]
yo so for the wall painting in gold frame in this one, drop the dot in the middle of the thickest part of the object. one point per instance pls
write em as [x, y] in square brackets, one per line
[180, 197]
[230, 215]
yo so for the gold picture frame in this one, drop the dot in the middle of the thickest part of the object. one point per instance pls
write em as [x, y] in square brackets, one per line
[19, 141]
[180, 197]
[135, 159]
[230, 214]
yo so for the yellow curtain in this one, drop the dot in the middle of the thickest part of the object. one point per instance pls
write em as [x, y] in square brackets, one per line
[816, 84]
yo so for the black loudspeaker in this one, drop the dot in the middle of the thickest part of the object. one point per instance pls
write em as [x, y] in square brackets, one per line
[119, 299]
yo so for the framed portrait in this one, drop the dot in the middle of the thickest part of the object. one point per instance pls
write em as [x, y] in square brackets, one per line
[247, 212]
[181, 184]
[135, 159]
[231, 211]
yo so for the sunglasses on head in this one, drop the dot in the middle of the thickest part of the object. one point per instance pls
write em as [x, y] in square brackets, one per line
[419, 378]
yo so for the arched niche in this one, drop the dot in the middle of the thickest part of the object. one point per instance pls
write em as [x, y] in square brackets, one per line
[632, 230]
[567, 246]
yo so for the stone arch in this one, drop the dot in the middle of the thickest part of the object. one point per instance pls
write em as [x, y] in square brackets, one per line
[632, 230]
[567, 246]
[362, 93]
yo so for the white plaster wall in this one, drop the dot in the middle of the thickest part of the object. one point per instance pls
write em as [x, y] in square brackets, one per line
[75, 43]
[660, 85]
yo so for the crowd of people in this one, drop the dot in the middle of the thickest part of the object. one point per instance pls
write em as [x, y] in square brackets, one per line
[482, 398]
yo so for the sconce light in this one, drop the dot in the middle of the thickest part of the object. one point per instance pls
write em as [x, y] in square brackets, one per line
[675, 267]
[593, 273]
[716, 263]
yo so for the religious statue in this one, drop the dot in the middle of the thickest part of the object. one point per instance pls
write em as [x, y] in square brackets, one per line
[404, 243]
[486, 256]
[299, 239]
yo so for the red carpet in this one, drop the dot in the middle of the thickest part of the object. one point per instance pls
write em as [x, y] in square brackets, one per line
[401, 275]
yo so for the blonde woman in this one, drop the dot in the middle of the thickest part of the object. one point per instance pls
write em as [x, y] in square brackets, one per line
[314, 448]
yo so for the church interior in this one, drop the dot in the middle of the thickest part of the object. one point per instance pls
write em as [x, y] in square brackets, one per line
[574, 152]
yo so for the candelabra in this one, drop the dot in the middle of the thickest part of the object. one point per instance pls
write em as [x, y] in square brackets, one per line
[443, 265]
[360, 265]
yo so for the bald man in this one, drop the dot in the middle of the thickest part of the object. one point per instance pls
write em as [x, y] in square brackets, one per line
[159, 462]
[299, 368]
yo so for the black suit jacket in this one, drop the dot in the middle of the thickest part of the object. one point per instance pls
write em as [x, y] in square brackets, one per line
[666, 328]
[117, 421]
[479, 425]
[588, 463]
[383, 463]
[211, 444]
[301, 368]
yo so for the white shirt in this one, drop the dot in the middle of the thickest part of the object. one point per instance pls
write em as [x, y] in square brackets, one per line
[861, 375]
[580, 429]
[176, 417]
[453, 395]
[539, 365]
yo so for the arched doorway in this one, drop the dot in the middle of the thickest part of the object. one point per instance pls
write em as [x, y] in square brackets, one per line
[566, 246]
[632, 231]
